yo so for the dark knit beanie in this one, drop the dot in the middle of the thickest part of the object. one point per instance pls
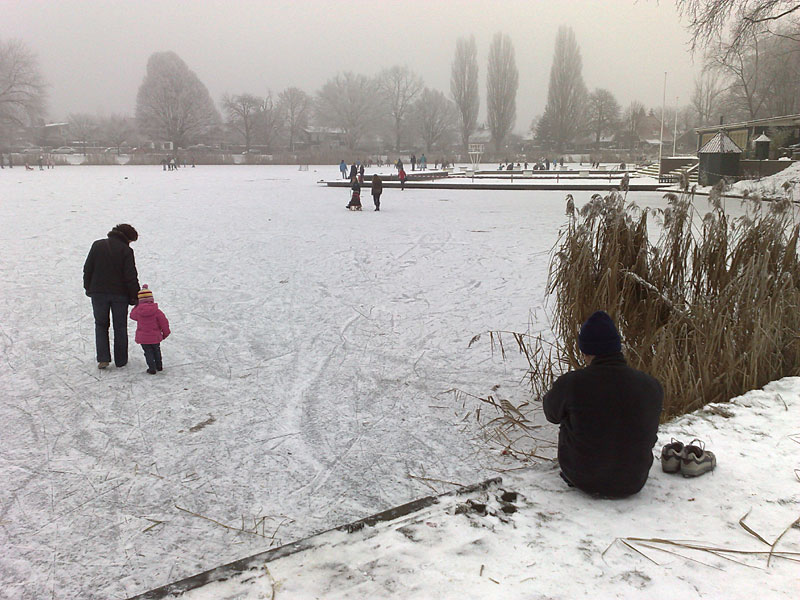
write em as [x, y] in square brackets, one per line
[599, 335]
[126, 231]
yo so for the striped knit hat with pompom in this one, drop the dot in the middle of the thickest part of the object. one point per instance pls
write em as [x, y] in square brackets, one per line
[145, 295]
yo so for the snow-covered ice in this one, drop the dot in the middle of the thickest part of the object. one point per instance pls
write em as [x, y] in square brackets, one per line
[558, 543]
[305, 380]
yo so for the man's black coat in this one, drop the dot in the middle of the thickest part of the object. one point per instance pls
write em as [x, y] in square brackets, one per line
[609, 416]
[110, 268]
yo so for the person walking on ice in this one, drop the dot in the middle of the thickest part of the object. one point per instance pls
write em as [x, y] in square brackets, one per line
[111, 281]
[343, 169]
[152, 327]
[377, 190]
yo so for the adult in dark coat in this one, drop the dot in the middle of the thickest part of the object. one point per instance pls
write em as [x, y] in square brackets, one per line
[609, 415]
[377, 190]
[111, 281]
[353, 171]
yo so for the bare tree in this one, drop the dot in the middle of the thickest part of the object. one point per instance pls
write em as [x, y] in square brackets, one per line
[83, 128]
[632, 120]
[747, 80]
[117, 129]
[602, 113]
[464, 86]
[399, 87]
[706, 96]
[242, 113]
[348, 102]
[502, 81]
[294, 104]
[172, 103]
[268, 122]
[436, 118]
[782, 63]
[711, 20]
[22, 89]
[566, 94]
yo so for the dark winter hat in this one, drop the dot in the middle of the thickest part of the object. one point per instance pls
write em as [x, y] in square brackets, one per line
[127, 231]
[599, 335]
[145, 295]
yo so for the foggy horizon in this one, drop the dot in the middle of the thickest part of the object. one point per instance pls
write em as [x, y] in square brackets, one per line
[93, 54]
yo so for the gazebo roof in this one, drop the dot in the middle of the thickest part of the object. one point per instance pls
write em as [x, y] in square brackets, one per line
[762, 138]
[720, 144]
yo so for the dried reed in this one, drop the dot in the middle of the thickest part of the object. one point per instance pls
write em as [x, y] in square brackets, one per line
[710, 306]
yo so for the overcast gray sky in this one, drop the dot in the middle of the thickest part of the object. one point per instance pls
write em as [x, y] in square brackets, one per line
[93, 54]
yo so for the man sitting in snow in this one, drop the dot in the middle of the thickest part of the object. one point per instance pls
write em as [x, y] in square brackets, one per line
[608, 413]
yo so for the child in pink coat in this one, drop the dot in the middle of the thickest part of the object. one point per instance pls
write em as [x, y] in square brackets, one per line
[152, 327]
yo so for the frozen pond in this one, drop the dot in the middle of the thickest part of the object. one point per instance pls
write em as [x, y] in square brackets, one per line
[304, 380]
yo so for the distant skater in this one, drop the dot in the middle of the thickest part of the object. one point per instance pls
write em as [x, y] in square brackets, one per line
[152, 327]
[353, 172]
[355, 197]
[343, 169]
[402, 175]
[413, 163]
[377, 190]
[361, 174]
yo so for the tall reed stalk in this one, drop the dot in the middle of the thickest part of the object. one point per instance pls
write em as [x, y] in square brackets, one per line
[710, 307]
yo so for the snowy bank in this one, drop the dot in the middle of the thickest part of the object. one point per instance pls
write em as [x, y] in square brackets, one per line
[732, 533]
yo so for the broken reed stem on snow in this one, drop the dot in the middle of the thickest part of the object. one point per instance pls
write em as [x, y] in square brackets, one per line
[242, 529]
[720, 552]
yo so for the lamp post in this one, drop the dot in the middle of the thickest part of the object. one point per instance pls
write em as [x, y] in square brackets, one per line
[675, 132]
[661, 137]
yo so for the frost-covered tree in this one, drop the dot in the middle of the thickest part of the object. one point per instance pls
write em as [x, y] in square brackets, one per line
[268, 122]
[632, 119]
[705, 97]
[399, 87]
[172, 103]
[242, 112]
[435, 117]
[117, 130]
[22, 89]
[566, 94]
[83, 128]
[294, 106]
[502, 82]
[348, 102]
[602, 114]
[735, 21]
[464, 86]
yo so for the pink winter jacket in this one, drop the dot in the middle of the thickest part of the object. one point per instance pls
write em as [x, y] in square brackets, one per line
[152, 325]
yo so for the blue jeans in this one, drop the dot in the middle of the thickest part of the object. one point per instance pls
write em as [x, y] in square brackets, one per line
[102, 304]
[152, 355]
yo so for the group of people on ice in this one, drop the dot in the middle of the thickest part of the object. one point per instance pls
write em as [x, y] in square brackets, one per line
[111, 280]
[376, 187]
[608, 412]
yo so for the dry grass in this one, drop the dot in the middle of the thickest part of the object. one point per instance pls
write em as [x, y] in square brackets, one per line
[710, 307]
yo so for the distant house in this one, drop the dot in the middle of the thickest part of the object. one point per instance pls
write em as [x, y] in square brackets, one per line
[322, 137]
[54, 134]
